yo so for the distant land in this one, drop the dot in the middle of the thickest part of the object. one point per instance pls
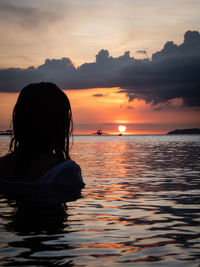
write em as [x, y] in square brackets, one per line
[185, 131]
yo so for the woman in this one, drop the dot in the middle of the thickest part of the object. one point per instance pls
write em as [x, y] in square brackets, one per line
[39, 148]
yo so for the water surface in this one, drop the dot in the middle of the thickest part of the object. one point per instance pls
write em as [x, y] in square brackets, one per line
[140, 207]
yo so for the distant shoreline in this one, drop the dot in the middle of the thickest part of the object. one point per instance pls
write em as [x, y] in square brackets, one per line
[185, 131]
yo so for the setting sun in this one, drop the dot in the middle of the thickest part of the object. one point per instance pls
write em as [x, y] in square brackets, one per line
[122, 128]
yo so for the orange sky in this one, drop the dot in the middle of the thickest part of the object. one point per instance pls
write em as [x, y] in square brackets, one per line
[112, 109]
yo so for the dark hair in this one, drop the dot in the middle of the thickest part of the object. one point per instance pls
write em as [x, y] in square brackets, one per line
[42, 120]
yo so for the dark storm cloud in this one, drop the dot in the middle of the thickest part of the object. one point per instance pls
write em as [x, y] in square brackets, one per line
[173, 72]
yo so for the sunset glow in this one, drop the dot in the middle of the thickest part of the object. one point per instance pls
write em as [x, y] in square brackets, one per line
[122, 128]
[111, 109]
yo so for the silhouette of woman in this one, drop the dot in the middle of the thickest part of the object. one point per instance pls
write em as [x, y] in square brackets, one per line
[39, 148]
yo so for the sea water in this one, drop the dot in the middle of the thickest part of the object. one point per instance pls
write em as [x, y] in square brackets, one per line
[140, 207]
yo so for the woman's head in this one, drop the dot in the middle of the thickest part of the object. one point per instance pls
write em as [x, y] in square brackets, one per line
[42, 120]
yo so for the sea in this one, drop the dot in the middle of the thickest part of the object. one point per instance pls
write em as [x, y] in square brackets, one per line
[140, 207]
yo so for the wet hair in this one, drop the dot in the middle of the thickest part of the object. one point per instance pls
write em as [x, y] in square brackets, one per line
[42, 121]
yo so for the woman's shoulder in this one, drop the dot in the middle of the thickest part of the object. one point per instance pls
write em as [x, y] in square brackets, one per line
[64, 165]
[16, 166]
[61, 183]
[66, 172]
[13, 167]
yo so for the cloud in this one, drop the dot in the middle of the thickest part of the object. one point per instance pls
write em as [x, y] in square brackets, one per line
[172, 73]
[129, 107]
[98, 95]
[142, 52]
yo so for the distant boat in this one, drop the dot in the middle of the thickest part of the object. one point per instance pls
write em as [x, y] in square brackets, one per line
[100, 132]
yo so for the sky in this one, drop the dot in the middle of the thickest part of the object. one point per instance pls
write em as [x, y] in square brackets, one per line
[129, 62]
